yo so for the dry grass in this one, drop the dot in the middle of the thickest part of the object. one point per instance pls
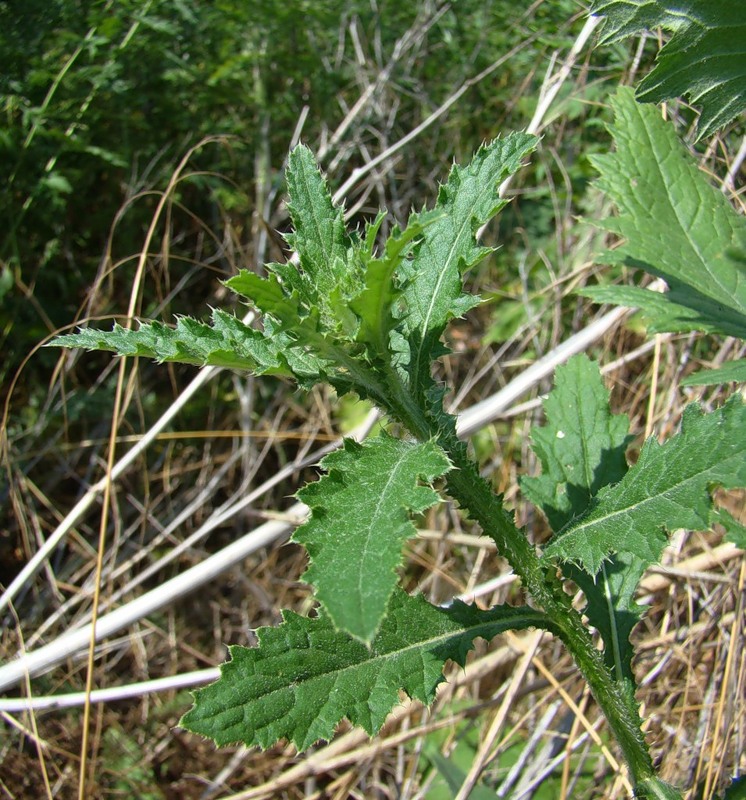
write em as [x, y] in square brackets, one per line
[519, 706]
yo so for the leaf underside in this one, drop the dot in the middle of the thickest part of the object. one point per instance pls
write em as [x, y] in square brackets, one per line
[359, 522]
[705, 59]
[305, 676]
[677, 226]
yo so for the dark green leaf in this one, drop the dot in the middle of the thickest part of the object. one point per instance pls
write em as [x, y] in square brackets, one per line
[677, 226]
[305, 676]
[705, 58]
[582, 449]
[668, 488]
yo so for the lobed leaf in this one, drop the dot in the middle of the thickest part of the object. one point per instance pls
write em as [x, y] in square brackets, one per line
[705, 59]
[228, 342]
[305, 676]
[677, 226]
[582, 449]
[668, 488]
[359, 523]
[433, 288]
[319, 236]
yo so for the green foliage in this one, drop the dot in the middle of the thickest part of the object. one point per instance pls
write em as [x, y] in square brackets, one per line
[305, 676]
[581, 447]
[582, 450]
[372, 324]
[668, 488]
[335, 316]
[359, 524]
[433, 287]
[705, 58]
[676, 226]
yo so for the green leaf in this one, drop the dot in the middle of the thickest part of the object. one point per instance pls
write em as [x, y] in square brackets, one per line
[677, 226]
[731, 371]
[305, 676]
[454, 775]
[668, 488]
[705, 58]
[582, 449]
[433, 289]
[735, 532]
[227, 343]
[319, 237]
[375, 304]
[359, 523]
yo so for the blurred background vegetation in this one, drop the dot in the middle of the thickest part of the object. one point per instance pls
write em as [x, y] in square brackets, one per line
[142, 148]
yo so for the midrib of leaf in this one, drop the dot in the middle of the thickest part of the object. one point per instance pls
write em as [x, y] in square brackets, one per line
[309, 201]
[487, 189]
[530, 618]
[468, 195]
[676, 208]
[598, 521]
[362, 574]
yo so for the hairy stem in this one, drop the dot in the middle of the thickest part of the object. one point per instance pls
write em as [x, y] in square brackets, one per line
[473, 493]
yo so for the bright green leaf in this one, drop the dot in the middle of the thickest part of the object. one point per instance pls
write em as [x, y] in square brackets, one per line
[375, 304]
[677, 226]
[359, 523]
[668, 488]
[433, 289]
[227, 343]
[705, 58]
[305, 676]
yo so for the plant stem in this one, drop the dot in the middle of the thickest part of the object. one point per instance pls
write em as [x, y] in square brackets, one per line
[543, 584]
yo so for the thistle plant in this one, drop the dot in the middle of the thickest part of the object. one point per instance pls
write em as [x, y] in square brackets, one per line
[368, 318]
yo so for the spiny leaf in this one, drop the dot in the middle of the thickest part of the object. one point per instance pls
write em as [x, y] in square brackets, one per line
[433, 289]
[305, 676]
[227, 343]
[582, 449]
[360, 522]
[677, 226]
[319, 237]
[668, 488]
[705, 58]
[375, 304]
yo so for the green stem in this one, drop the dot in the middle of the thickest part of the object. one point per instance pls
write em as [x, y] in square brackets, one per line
[465, 484]
[542, 584]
